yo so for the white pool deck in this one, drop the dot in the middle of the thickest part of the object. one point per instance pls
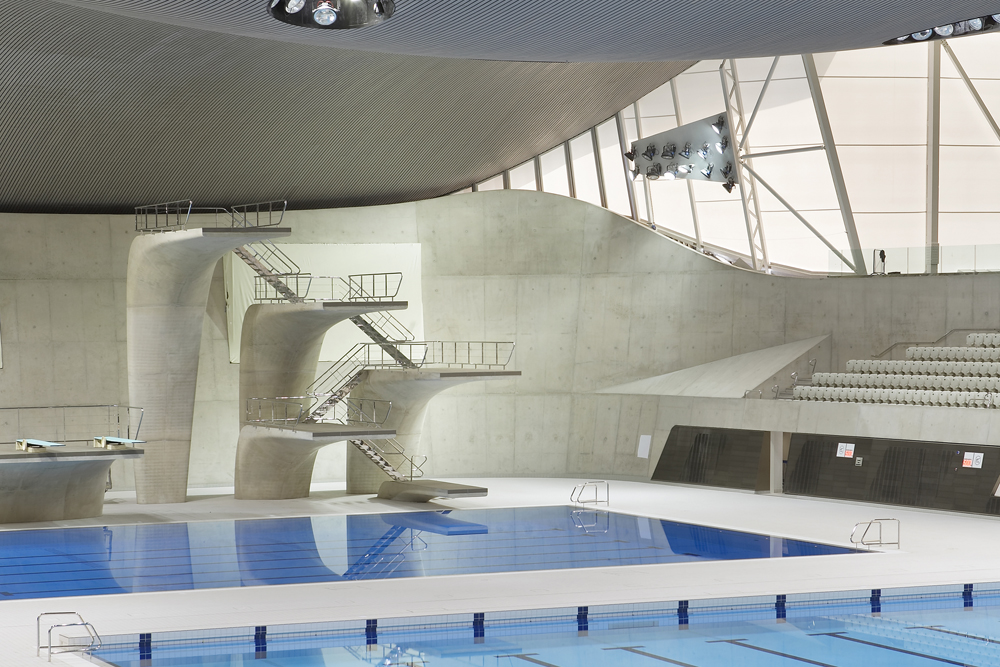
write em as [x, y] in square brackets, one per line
[937, 548]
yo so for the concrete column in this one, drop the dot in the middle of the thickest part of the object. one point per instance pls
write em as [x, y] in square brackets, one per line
[778, 453]
[279, 351]
[169, 275]
[409, 391]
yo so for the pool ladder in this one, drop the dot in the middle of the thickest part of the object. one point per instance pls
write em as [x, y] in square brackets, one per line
[95, 639]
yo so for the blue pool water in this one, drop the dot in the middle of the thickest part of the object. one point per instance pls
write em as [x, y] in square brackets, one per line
[261, 552]
[862, 628]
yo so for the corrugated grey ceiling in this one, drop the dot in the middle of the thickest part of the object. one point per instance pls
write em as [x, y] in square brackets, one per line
[102, 112]
[587, 30]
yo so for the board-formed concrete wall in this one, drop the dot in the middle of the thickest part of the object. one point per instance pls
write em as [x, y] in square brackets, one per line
[591, 300]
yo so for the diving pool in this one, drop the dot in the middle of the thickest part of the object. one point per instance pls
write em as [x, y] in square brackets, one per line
[263, 552]
[945, 625]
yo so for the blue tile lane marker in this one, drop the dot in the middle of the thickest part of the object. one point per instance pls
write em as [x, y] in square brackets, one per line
[146, 646]
[967, 596]
[635, 649]
[260, 639]
[582, 622]
[682, 613]
[371, 631]
[479, 625]
[779, 607]
[876, 600]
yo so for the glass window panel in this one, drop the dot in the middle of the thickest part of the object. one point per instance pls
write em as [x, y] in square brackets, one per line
[671, 206]
[894, 111]
[700, 95]
[657, 103]
[657, 124]
[962, 122]
[462, 191]
[494, 183]
[614, 171]
[904, 60]
[554, 178]
[522, 177]
[631, 133]
[883, 180]
[581, 150]
[640, 199]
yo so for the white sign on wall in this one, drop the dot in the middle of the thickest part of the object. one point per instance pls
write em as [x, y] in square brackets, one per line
[644, 442]
[972, 460]
[845, 450]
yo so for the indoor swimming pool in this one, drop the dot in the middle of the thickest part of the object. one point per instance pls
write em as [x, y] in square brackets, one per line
[260, 552]
[893, 628]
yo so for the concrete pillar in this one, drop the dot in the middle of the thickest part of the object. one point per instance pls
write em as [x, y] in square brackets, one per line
[169, 275]
[409, 391]
[778, 453]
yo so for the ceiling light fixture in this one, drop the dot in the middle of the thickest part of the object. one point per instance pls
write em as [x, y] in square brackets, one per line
[671, 172]
[331, 14]
[719, 124]
[703, 151]
[630, 155]
[707, 171]
[686, 153]
[728, 169]
[650, 152]
[653, 171]
[729, 185]
[722, 145]
[971, 26]
[669, 150]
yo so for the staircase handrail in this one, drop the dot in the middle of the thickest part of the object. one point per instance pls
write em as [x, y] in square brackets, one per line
[391, 447]
[911, 343]
[374, 286]
[157, 217]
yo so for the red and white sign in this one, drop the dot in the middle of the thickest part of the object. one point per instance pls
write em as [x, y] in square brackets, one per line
[972, 460]
[845, 450]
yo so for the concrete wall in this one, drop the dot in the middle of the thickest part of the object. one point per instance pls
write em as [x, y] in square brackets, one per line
[590, 299]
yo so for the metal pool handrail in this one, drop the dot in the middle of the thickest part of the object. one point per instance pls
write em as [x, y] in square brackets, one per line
[95, 638]
[875, 540]
[576, 496]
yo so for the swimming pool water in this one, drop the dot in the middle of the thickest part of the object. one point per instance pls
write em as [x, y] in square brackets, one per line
[260, 552]
[892, 631]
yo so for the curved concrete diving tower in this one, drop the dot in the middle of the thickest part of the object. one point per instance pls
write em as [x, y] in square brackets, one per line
[279, 352]
[410, 392]
[169, 275]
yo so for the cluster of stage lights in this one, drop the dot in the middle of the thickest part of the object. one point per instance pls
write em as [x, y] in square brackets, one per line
[331, 14]
[956, 29]
[674, 168]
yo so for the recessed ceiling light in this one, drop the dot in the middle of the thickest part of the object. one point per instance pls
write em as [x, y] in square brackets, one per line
[324, 14]
[945, 30]
[293, 6]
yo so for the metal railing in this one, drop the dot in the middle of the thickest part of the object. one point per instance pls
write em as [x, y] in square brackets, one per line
[163, 217]
[478, 355]
[591, 493]
[95, 639]
[380, 287]
[591, 521]
[259, 214]
[69, 423]
[909, 343]
[872, 535]
[293, 410]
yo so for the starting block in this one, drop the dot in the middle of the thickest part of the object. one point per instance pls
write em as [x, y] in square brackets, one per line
[25, 444]
[111, 442]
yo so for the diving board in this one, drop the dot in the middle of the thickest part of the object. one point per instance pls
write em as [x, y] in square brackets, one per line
[112, 442]
[24, 444]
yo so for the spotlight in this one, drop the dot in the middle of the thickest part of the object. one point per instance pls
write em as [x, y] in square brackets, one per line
[653, 171]
[722, 145]
[729, 185]
[324, 14]
[995, 17]
[686, 153]
[686, 168]
[728, 169]
[703, 152]
[671, 172]
[630, 156]
[650, 152]
[719, 124]
[293, 6]
[975, 24]
[707, 171]
[669, 150]
[379, 8]
[945, 30]
[922, 35]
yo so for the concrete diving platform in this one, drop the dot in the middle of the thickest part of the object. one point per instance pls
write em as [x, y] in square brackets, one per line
[424, 490]
[45, 483]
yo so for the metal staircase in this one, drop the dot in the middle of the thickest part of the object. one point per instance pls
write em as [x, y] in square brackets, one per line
[375, 456]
